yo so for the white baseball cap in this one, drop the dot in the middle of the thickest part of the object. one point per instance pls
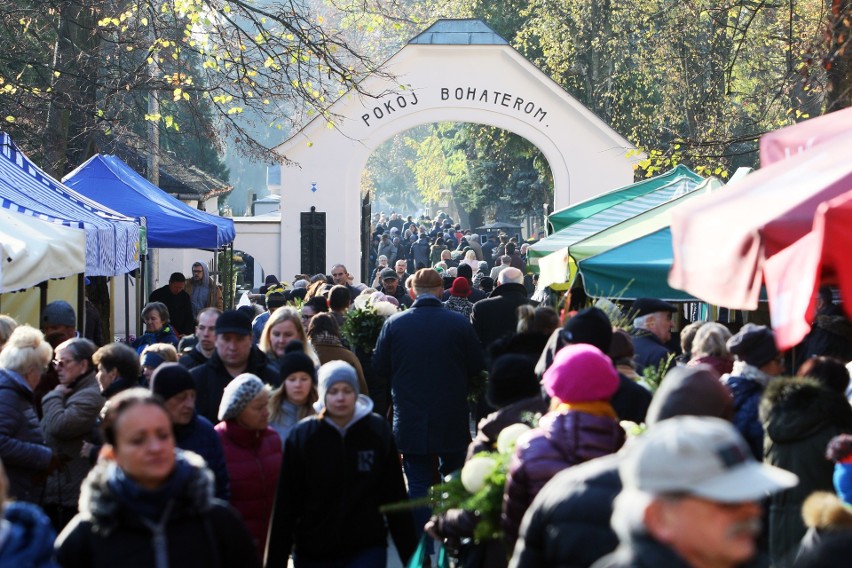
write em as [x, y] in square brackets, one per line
[702, 456]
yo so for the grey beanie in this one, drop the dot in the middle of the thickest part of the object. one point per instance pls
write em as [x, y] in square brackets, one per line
[332, 373]
[238, 394]
[59, 312]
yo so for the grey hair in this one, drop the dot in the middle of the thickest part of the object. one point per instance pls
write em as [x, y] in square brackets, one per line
[711, 339]
[642, 321]
[628, 513]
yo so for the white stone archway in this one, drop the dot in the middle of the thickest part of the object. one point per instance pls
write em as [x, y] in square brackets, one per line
[456, 71]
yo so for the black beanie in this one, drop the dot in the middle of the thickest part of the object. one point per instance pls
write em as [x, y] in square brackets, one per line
[295, 360]
[170, 379]
[754, 344]
[591, 326]
[464, 270]
[512, 378]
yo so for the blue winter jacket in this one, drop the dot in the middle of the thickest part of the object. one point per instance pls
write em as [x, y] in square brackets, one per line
[747, 394]
[22, 446]
[199, 436]
[30, 539]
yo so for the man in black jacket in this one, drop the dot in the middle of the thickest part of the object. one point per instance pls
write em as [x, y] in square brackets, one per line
[497, 316]
[177, 301]
[234, 356]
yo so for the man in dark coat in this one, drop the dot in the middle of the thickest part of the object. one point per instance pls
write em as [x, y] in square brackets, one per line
[652, 329]
[420, 252]
[234, 355]
[428, 354]
[497, 316]
[204, 340]
[177, 301]
[195, 433]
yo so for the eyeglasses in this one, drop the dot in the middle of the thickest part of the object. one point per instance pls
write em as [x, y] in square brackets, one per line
[63, 363]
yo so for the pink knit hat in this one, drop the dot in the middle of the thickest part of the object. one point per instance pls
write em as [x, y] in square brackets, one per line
[580, 373]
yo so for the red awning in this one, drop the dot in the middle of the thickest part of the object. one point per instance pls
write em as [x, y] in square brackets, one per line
[787, 142]
[721, 241]
[794, 275]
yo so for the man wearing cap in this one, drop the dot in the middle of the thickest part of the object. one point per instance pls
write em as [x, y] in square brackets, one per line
[568, 523]
[429, 355]
[652, 329]
[390, 287]
[204, 339]
[235, 354]
[173, 383]
[691, 497]
[757, 362]
[177, 301]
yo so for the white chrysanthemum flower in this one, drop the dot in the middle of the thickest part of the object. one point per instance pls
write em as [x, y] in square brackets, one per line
[475, 471]
[361, 301]
[509, 435]
[385, 309]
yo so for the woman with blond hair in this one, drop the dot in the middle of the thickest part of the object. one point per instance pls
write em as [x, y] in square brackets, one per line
[283, 326]
[22, 446]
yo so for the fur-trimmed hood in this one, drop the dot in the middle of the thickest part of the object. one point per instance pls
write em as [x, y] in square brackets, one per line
[796, 408]
[100, 506]
[824, 510]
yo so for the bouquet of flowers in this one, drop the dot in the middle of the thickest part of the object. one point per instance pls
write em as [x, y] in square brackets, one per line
[364, 322]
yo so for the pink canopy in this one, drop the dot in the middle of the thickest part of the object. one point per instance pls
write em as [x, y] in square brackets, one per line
[794, 275]
[787, 142]
[721, 241]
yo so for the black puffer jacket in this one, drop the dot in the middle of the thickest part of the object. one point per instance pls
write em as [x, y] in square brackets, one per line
[567, 525]
[201, 531]
[799, 418]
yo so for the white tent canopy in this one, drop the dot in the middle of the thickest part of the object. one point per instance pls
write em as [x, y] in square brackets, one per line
[32, 251]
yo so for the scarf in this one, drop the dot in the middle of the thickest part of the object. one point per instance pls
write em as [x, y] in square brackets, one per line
[152, 505]
[594, 407]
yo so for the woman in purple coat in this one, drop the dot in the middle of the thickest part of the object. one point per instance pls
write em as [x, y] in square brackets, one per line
[580, 426]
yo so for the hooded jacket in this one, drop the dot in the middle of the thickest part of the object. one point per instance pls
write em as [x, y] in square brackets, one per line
[207, 295]
[200, 531]
[22, 446]
[561, 440]
[799, 417]
[333, 481]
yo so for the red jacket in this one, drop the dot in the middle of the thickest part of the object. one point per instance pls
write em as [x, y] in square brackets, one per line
[253, 458]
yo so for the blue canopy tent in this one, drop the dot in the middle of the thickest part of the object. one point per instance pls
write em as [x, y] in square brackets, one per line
[171, 223]
[112, 239]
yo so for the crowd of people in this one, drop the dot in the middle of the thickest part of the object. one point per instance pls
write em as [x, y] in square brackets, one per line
[274, 432]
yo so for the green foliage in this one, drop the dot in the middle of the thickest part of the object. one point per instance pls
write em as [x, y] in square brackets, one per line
[362, 326]
[654, 375]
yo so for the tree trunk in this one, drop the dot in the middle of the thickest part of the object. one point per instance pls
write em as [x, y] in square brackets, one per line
[69, 134]
[837, 62]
